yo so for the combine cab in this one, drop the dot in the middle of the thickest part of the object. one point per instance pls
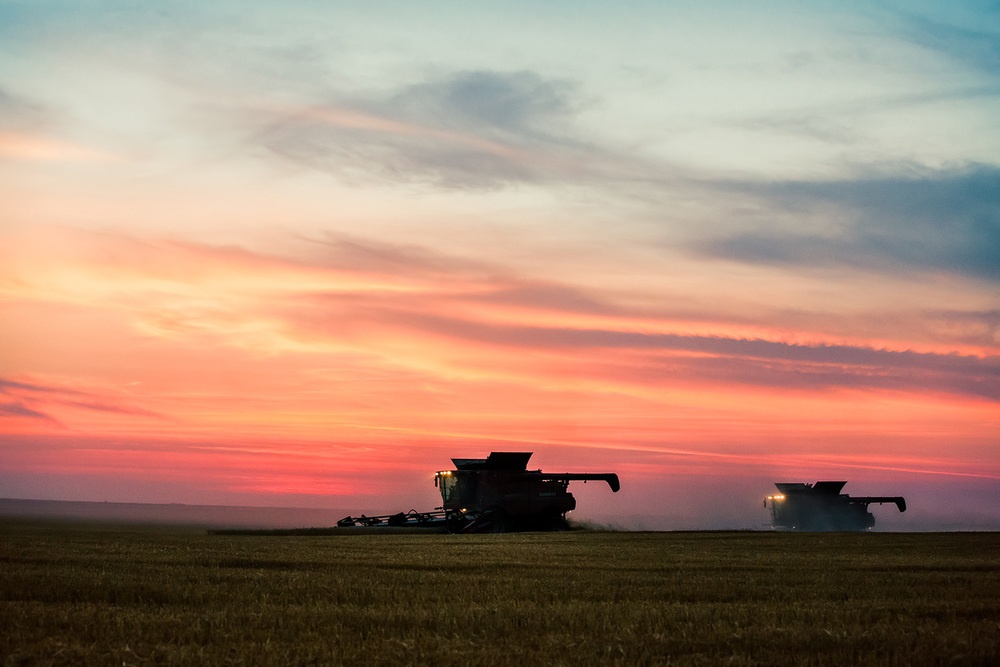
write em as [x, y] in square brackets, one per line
[495, 494]
[821, 507]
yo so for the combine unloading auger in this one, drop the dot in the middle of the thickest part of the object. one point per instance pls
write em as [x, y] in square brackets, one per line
[821, 507]
[495, 494]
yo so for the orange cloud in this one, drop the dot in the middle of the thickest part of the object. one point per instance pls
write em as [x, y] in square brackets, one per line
[36, 148]
[395, 350]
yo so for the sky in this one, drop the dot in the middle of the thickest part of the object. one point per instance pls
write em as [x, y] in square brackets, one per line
[302, 254]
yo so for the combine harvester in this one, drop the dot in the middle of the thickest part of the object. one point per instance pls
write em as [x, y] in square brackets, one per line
[494, 495]
[821, 507]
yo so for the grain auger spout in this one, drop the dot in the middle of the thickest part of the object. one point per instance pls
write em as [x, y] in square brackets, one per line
[898, 501]
[609, 477]
[495, 495]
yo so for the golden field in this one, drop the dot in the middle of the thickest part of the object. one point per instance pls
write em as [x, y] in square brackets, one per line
[96, 594]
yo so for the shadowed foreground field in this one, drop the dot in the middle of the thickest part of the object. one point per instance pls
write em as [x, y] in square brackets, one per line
[105, 595]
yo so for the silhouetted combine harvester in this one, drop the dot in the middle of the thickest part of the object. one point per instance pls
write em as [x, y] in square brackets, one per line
[494, 495]
[821, 507]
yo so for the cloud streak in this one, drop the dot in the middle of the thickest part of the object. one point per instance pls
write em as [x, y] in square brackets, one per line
[977, 46]
[38, 401]
[947, 221]
[668, 359]
[377, 298]
[472, 129]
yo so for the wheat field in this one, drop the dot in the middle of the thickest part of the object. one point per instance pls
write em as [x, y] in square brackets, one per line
[102, 595]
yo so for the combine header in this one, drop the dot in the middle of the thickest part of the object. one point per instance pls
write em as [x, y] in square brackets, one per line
[494, 495]
[821, 507]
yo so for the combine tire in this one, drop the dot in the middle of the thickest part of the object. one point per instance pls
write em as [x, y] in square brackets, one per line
[456, 522]
[498, 522]
[558, 523]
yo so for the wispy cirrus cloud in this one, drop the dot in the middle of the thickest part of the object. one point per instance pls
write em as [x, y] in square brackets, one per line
[980, 328]
[20, 113]
[41, 148]
[40, 401]
[472, 129]
[411, 306]
[18, 409]
[32, 131]
[944, 221]
[974, 45]
[512, 105]
[633, 357]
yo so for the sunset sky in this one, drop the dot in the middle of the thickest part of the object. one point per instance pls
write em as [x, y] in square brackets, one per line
[302, 254]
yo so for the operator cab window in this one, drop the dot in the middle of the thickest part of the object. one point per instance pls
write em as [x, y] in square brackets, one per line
[449, 483]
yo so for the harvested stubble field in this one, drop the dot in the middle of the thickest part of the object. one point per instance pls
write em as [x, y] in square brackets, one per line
[118, 595]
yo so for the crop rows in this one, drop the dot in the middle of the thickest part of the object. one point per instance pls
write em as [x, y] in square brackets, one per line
[102, 595]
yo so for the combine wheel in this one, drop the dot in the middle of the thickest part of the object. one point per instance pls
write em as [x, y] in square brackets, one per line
[456, 521]
[498, 521]
[558, 523]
